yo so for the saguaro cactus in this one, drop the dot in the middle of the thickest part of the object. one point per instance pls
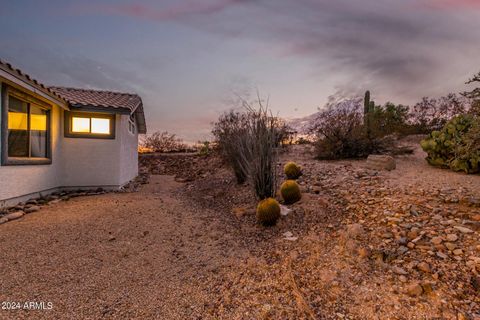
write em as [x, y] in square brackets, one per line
[368, 107]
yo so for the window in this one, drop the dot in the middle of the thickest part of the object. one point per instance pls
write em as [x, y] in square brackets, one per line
[89, 125]
[26, 128]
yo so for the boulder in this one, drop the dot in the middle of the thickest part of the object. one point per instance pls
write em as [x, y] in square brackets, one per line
[380, 162]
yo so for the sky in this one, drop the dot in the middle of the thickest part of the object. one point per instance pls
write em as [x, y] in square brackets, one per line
[188, 60]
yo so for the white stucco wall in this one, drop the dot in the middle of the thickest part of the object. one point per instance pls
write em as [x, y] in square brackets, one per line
[128, 151]
[76, 162]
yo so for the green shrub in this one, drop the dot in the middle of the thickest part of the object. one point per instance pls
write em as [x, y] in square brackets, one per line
[292, 170]
[290, 192]
[456, 146]
[268, 212]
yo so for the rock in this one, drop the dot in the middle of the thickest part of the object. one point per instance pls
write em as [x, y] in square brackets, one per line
[3, 220]
[414, 290]
[427, 287]
[452, 237]
[284, 210]
[14, 215]
[436, 240]
[31, 209]
[461, 316]
[111, 237]
[463, 229]
[424, 267]
[399, 270]
[289, 236]
[457, 252]
[450, 246]
[441, 255]
[380, 162]
[355, 230]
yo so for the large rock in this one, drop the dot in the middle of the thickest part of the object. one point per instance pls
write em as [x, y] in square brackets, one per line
[380, 162]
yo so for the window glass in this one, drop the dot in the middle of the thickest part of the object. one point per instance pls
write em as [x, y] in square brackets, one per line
[80, 125]
[100, 126]
[17, 128]
[38, 132]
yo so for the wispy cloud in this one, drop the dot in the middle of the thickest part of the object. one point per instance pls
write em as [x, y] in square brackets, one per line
[149, 12]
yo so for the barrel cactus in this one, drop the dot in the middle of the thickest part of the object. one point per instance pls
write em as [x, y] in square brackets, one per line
[290, 192]
[456, 146]
[292, 170]
[268, 211]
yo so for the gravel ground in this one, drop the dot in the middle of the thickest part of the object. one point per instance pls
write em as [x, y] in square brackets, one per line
[115, 256]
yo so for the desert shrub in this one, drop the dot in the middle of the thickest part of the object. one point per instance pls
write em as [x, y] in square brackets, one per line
[340, 133]
[432, 114]
[262, 143]
[268, 211]
[231, 133]
[292, 170]
[249, 141]
[204, 148]
[163, 142]
[388, 119]
[456, 145]
[290, 191]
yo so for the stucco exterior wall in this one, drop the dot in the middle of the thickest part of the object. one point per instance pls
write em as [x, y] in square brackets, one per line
[16, 181]
[76, 162]
[128, 151]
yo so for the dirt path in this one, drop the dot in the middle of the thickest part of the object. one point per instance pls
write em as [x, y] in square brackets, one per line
[115, 256]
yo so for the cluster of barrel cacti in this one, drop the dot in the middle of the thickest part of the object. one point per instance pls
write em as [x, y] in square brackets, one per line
[456, 146]
[268, 210]
[290, 190]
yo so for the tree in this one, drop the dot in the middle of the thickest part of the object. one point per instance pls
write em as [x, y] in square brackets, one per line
[475, 93]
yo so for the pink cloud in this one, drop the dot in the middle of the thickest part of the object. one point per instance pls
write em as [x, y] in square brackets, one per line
[170, 13]
[453, 4]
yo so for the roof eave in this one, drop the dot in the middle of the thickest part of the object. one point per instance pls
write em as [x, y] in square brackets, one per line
[14, 80]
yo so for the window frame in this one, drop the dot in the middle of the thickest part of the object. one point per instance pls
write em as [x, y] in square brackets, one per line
[68, 118]
[132, 127]
[8, 91]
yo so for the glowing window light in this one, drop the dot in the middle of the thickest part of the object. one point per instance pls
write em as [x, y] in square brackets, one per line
[100, 126]
[17, 121]
[38, 122]
[80, 125]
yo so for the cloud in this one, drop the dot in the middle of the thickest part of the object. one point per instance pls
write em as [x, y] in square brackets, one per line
[453, 4]
[148, 12]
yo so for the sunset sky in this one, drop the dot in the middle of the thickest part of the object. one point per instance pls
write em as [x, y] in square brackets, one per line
[187, 58]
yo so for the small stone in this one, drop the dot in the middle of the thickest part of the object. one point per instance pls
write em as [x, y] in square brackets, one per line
[450, 246]
[411, 245]
[14, 215]
[399, 270]
[458, 252]
[414, 290]
[402, 278]
[461, 316]
[424, 267]
[3, 220]
[111, 237]
[441, 255]
[427, 287]
[31, 209]
[436, 240]
[452, 237]
[463, 229]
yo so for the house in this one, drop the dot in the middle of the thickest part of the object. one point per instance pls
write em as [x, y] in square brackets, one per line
[56, 138]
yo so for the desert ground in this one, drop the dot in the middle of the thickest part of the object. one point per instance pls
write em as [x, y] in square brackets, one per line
[361, 244]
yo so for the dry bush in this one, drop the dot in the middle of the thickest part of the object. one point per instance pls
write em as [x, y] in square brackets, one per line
[231, 136]
[263, 142]
[163, 142]
[249, 140]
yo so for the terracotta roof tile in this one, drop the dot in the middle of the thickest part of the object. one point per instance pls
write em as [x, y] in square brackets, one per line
[98, 98]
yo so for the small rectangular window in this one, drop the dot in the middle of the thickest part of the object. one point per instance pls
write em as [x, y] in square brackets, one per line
[89, 125]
